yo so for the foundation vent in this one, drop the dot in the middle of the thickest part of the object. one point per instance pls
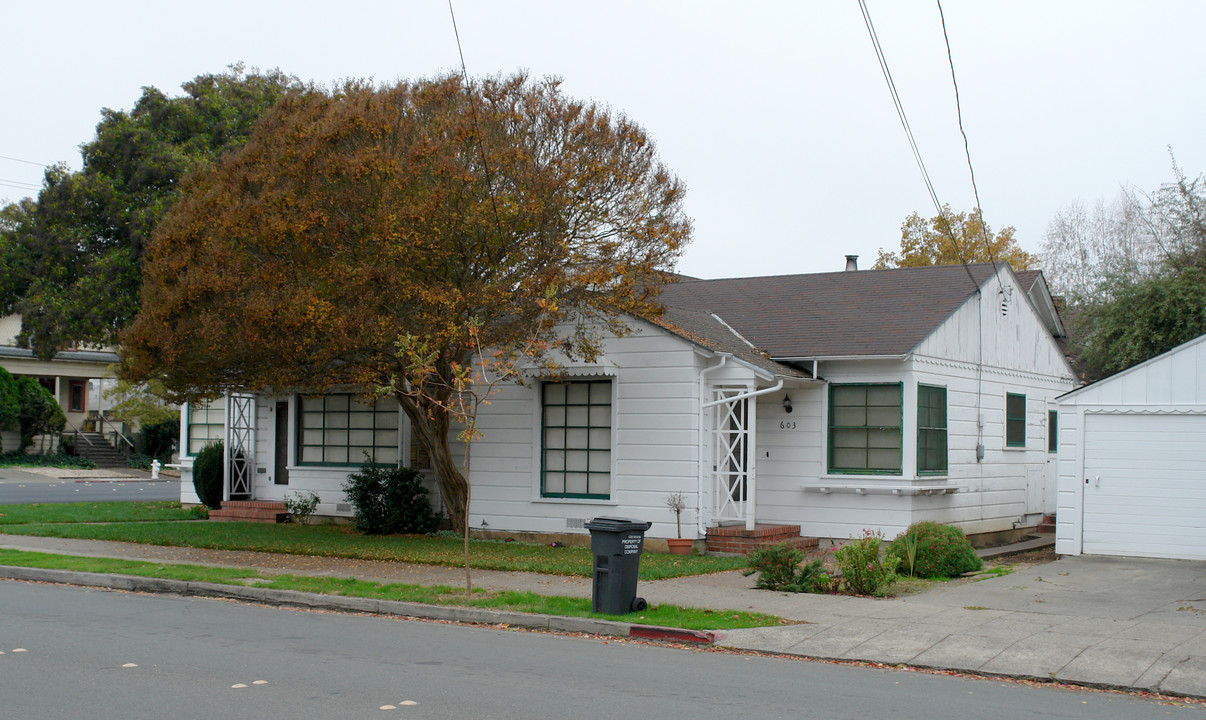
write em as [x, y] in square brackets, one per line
[575, 523]
[343, 507]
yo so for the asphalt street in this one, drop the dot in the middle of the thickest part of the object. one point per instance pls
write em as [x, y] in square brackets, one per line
[52, 485]
[70, 652]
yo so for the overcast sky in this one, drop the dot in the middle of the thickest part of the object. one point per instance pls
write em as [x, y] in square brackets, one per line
[774, 114]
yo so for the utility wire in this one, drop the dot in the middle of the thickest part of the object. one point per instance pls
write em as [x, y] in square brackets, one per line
[904, 122]
[966, 146]
[27, 162]
[18, 184]
[481, 149]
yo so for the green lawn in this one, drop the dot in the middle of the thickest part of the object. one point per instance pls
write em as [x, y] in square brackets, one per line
[665, 615]
[342, 541]
[94, 512]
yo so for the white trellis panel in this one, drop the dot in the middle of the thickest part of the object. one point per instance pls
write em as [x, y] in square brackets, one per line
[730, 455]
[240, 446]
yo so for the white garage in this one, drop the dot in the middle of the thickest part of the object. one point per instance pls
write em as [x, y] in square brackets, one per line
[1132, 460]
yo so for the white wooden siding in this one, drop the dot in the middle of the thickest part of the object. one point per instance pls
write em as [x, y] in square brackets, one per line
[1139, 431]
[655, 431]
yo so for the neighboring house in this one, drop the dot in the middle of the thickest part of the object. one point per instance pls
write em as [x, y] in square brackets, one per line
[827, 403]
[1132, 460]
[76, 377]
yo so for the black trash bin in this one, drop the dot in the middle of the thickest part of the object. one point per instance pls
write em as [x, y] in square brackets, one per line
[616, 545]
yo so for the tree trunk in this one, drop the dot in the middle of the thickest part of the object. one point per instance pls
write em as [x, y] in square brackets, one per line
[430, 425]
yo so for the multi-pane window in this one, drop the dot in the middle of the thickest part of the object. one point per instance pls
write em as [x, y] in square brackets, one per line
[931, 430]
[865, 428]
[206, 423]
[342, 430]
[576, 443]
[1015, 420]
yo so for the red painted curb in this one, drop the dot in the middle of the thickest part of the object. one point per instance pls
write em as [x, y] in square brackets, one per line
[655, 632]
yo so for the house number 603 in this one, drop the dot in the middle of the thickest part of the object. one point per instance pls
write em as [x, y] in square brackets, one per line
[787, 424]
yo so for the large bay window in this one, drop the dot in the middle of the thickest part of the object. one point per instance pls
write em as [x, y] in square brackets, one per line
[865, 429]
[342, 430]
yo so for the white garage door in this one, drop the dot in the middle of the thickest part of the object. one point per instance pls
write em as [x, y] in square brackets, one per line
[1146, 489]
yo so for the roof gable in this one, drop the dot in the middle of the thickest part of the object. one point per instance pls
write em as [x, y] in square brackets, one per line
[839, 314]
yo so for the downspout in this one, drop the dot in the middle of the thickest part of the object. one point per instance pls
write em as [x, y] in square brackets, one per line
[701, 527]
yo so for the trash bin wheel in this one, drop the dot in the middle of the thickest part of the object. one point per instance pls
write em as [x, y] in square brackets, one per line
[639, 604]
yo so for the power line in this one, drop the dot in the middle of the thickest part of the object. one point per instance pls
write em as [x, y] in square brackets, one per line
[27, 162]
[19, 185]
[966, 146]
[904, 122]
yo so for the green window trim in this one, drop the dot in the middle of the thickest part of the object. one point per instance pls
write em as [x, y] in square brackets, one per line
[1015, 420]
[931, 430]
[865, 428]
[206, 424]
[337, 430]
[575, 439]
[1052, 431]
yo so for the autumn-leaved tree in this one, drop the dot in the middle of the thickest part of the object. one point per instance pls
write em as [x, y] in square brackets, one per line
[403, 239]
[951, 239]
[69, 260]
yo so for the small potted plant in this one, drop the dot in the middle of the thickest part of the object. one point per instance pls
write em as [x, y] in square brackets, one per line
[677, 502]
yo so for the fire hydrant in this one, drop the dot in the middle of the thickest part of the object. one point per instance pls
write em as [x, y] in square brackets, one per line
[155, 469]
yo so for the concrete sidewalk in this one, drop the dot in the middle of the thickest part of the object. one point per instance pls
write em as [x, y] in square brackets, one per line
[1135, 624]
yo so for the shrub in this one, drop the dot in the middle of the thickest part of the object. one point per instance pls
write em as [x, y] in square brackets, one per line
[388, 500]
[207, 475]
[38, 411]
[865, 569]
[301, 506]
[158, 438]
[10, 406]
[780, 568]
[139, 461]
[941, 551]
[18, 458]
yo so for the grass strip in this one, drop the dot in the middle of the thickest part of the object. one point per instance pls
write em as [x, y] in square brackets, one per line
[344, 542]
[525, 602]
[94, 512]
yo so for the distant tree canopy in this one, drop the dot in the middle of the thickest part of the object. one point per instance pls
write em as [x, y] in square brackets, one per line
[408, 240]
[1134, 274]
[69, 260]
[952, 239]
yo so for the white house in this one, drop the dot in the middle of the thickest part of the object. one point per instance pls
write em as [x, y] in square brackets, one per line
[1132, 460]
[823, 403]
[75, 376]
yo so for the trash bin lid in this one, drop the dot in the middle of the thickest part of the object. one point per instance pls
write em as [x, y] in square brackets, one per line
[616, 524]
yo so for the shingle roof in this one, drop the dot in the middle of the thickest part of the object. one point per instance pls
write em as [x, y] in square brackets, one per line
[706, 331]
[838, 314]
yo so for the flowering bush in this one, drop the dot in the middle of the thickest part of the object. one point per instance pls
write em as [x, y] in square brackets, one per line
[865, 569]
[937, 551]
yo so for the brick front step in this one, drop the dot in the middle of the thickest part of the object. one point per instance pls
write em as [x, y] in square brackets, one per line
[250, 511]
[735, 539]
[1047, 526]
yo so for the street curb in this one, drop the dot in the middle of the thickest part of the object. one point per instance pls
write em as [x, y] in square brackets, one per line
[315, 601]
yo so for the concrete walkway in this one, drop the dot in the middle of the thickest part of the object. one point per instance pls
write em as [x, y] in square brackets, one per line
[1135, 624]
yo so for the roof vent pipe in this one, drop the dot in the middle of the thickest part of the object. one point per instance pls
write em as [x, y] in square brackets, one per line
[851, 263]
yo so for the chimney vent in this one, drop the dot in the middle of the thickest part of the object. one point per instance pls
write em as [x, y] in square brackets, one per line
[851, 263]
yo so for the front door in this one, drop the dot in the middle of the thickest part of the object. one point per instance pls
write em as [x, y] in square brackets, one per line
[280, 471]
